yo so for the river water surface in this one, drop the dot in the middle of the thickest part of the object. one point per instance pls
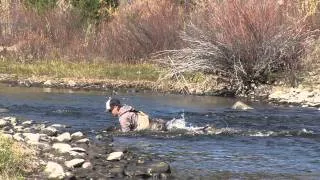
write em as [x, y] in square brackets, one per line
[269, 142]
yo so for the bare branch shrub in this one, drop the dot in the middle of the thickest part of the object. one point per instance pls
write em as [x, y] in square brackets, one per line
[249, 42]
[140, 29]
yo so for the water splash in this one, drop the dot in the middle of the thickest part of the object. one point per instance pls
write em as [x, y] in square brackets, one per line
[180, 124]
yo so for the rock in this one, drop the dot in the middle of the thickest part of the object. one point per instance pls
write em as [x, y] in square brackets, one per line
[3, 110]
[27, 123]
[54, 170]
[240, 105]
[115, 156]
[33, 138]
[27, 130]
[99, 137]
[6, 128]
[87, 165]
[159, 167]
[58, 126]
[50, 131]
[72, 83]
[74, 163]
[149, 169]
[78, 149]
[47, 83]
[64, 137]
[76, 135]
[3, 123]
[13, 120]
[18, 137]
[85, 140]
[44, 137]
[77, 154]
[18, 128]
[61, 147]
[38, 127]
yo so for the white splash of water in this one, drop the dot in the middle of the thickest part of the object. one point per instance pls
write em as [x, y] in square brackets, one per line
[180, 123]
[262, 134]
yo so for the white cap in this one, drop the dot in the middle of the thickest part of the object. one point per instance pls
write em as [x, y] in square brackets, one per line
[108, 104]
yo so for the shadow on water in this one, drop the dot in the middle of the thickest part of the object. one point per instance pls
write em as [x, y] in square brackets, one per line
[269, 142]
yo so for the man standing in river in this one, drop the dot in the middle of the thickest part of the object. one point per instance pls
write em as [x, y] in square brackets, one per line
[131, 119]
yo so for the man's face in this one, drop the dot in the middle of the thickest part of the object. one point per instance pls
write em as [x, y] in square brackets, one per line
[114, 110]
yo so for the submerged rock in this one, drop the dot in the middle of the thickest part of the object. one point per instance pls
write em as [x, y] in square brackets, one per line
[148, 169]
[241, 106]
[4, 110]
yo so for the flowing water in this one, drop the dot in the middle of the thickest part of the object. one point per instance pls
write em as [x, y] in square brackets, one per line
[269, 142]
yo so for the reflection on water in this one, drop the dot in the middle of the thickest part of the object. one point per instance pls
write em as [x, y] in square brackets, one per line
[268, 142]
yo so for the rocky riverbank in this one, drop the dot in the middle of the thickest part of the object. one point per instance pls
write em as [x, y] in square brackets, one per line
[72, 155]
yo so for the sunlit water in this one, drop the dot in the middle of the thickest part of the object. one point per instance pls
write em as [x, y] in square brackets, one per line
[268, 142]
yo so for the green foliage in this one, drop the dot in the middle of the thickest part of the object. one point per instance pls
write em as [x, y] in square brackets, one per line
[94, 9]
[41, 6]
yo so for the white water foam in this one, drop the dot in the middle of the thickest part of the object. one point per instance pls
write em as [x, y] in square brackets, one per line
[180, 123]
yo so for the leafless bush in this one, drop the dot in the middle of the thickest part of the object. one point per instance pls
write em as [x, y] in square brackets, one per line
[248, 42]
[140, 29]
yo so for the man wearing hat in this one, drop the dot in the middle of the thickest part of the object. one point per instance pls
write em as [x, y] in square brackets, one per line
[131, 119]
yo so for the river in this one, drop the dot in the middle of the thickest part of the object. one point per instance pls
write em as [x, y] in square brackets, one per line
[269, 142]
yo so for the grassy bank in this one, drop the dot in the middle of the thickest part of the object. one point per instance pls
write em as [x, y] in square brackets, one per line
[83, 69]
[15, 159]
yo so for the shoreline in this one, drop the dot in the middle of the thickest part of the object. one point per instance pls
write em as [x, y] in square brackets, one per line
[64, 154]
[304, 96]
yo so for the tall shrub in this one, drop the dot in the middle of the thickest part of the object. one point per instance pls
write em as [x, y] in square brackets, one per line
[141, 28]
[249, 42]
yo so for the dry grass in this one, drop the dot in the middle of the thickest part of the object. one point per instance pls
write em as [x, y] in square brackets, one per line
[83, 69]
[16, 159]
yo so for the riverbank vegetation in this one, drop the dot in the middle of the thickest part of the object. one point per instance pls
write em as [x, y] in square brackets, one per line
[15, 159]
[244, 43]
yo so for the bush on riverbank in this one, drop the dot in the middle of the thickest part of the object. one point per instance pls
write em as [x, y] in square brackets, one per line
[130, 34]
[248, 42]
[15, 159]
